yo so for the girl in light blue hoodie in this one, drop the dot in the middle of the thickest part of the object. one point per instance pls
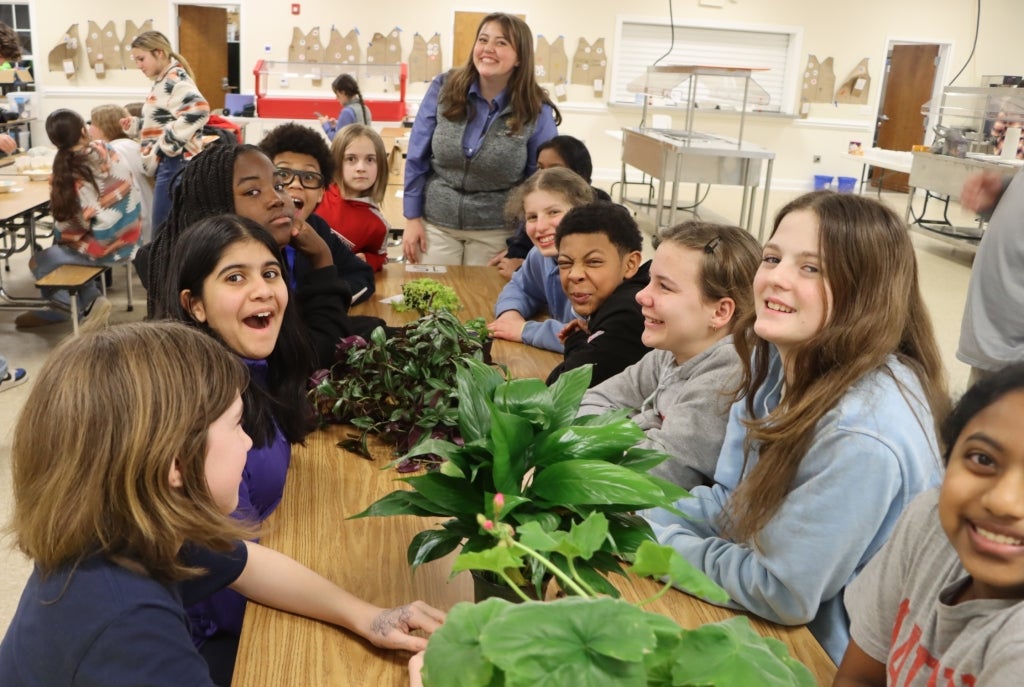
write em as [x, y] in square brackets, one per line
[833, 431]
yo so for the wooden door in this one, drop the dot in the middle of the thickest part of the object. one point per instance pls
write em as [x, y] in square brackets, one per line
[203, 40]
[908, 86]
[466, 24]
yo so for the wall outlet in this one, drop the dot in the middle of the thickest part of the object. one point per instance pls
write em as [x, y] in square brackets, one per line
[816, 159]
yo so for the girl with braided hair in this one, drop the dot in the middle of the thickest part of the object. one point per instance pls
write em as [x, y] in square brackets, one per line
[353, 109]
[241, 179]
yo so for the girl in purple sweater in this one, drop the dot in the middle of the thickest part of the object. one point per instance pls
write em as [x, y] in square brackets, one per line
[226, 278]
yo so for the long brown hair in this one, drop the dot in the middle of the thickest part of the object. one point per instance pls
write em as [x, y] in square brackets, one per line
[152, 41]
[109, 415]
[525, 96]
[66, 131]
[868, 262]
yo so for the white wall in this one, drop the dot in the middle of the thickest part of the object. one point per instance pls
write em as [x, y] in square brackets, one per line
[847, 31]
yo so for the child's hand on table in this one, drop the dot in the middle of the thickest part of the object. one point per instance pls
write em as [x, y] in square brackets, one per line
[392, 627]
[508, 326]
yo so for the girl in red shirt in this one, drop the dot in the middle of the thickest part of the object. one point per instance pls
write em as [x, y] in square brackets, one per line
[351, 204]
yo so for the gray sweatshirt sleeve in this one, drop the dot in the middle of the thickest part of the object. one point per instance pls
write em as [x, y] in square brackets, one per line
[628, 389]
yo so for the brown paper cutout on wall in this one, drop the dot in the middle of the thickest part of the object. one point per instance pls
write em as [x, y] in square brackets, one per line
[558, 61]
[297, 48]
[819, 81]
[424, 58]
[131, 30]
[541, 55]
[377, 50]
[394, 43]
[102, 48]
[434, 56]
[343, 49]
[354, 54]
[314, 48]
[66, 53]
[588, 65]
[854, 89]
[418, 59]
[305, 48]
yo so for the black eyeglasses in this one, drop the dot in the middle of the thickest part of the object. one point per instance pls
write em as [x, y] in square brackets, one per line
[711, 245]
[283, 175]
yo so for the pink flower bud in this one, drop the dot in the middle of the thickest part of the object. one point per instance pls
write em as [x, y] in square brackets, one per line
[499, 503]
[488, 525]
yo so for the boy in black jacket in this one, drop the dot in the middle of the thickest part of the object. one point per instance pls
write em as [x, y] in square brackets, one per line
[303, 153]
[600, 266]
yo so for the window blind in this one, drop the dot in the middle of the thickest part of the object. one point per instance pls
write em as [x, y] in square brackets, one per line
[642, 42]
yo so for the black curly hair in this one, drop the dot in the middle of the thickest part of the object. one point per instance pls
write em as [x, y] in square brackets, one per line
[296, 138]
[205, 189]
[984, 393]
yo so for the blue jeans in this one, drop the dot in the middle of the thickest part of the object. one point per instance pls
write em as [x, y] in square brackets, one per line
[163, 188]
[46, 261]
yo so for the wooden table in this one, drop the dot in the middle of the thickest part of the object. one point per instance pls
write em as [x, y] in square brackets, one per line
[326, 484]
[478, 289]
[18, 211]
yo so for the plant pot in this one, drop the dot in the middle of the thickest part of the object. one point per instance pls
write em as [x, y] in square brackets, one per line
[485, 588]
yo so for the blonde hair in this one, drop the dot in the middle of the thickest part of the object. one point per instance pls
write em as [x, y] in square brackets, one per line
[342, 140]
[107, 118]
[558, 180]
[108, 417]
[729, 256]
[153, 41]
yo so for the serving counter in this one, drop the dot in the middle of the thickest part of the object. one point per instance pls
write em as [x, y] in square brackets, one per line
[675, 157]
[942, 177]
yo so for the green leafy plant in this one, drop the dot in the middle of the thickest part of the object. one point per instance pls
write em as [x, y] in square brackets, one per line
[590, 641]
[426, 296]
[521, 438]
[401, 386]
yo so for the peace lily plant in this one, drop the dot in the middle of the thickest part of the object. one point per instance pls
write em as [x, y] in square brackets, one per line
[534, 493]
[522, 439]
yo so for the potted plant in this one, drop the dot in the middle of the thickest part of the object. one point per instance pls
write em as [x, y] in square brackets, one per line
[586, 640]
[522, 439]
[399, 386]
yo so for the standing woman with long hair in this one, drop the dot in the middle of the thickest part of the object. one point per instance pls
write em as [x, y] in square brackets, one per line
[170, 131]
[476, 136]
[834, 431]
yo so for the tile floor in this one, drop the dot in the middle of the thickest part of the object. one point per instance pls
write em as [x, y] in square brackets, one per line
[944, 274]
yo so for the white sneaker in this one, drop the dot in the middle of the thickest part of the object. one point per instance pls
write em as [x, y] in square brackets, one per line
[13, 378]
[97, 316]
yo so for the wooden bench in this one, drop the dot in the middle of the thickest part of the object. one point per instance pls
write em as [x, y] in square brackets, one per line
[71, 278]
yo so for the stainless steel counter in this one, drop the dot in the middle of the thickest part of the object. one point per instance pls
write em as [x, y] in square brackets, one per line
[675, 157]
[942, 178]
